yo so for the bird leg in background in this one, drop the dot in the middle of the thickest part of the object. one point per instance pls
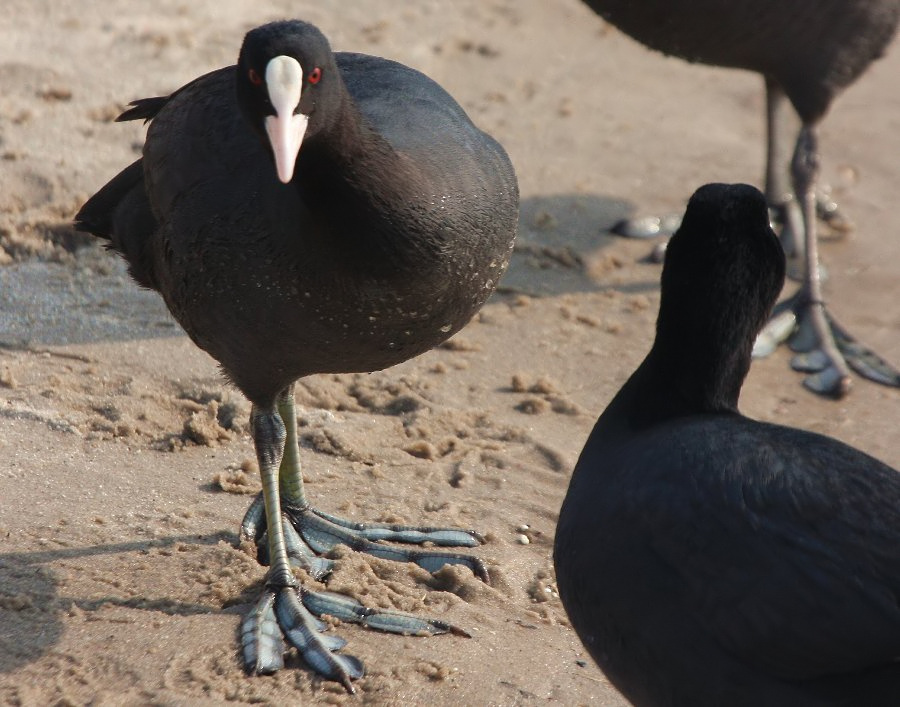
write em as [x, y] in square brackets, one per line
[784, 203]
[823, 347]
[818, 353]
[779, 194]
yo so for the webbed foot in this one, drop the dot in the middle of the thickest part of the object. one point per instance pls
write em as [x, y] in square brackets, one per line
[824, 348]
[287, 616]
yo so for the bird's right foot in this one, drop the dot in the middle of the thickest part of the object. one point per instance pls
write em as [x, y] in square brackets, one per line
[286, 616]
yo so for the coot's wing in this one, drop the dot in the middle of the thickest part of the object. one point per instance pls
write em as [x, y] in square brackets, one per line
[798, 569]
[121, 210]
[120, 213]
[419, 118]
[96, 215]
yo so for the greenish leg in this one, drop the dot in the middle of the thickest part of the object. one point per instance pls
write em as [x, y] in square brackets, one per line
[290, 477]
[269, 438]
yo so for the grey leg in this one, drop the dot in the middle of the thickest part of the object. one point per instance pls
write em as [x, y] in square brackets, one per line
[779, 194]
[320, 531]
[289, 531]
[279, 611]
[825, 349]
[819, 353]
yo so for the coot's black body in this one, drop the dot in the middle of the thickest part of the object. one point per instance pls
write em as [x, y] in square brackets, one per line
[707, 559]
[312, 212]
[812, 48]
[366, 259]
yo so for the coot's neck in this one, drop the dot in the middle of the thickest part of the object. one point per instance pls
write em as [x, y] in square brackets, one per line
[367, 192]
[682, 376]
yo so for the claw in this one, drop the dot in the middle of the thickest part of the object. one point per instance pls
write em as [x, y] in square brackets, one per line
[285, 614]
[804, 339]
[429, 561]
[253, 524]
[302, 555]
[814, 361]
[321, 534]
[288, 533]
[793, 322]
[827, 379]
[829, 382]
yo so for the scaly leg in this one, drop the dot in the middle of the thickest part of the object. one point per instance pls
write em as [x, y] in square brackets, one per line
[320, 531]
[279, 610]
[820, 355]
[289, 531]
[824, 349]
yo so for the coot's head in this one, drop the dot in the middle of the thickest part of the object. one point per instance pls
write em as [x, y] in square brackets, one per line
[724, 271]
[286, 82]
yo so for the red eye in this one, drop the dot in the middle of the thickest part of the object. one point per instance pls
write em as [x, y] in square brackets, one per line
[255, 78]
[315, 75]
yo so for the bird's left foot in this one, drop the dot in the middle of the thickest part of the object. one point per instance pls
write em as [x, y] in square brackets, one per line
[309, 533]
[824, 349]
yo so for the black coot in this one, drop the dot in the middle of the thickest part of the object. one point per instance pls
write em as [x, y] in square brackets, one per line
[706, 559]
[309, 212]
[807, 51]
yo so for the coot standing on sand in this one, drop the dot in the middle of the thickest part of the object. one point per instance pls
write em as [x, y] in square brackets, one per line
[312, 212]
[807, 51]
[706, 559]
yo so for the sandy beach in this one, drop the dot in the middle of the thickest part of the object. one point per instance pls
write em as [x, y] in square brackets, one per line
[126, 459]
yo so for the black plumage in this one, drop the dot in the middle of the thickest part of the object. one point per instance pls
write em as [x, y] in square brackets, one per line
[810, 49]
[395, 229]
[392, 229]
[705, 558]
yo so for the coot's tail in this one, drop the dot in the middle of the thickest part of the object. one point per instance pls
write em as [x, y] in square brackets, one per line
[120, 213]
[98, 213]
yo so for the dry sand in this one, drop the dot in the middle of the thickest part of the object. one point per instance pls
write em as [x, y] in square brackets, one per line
[126, 458]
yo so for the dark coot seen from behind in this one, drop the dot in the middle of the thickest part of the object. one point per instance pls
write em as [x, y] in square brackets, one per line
[808, 52]
[707, 559]
[308, 212]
